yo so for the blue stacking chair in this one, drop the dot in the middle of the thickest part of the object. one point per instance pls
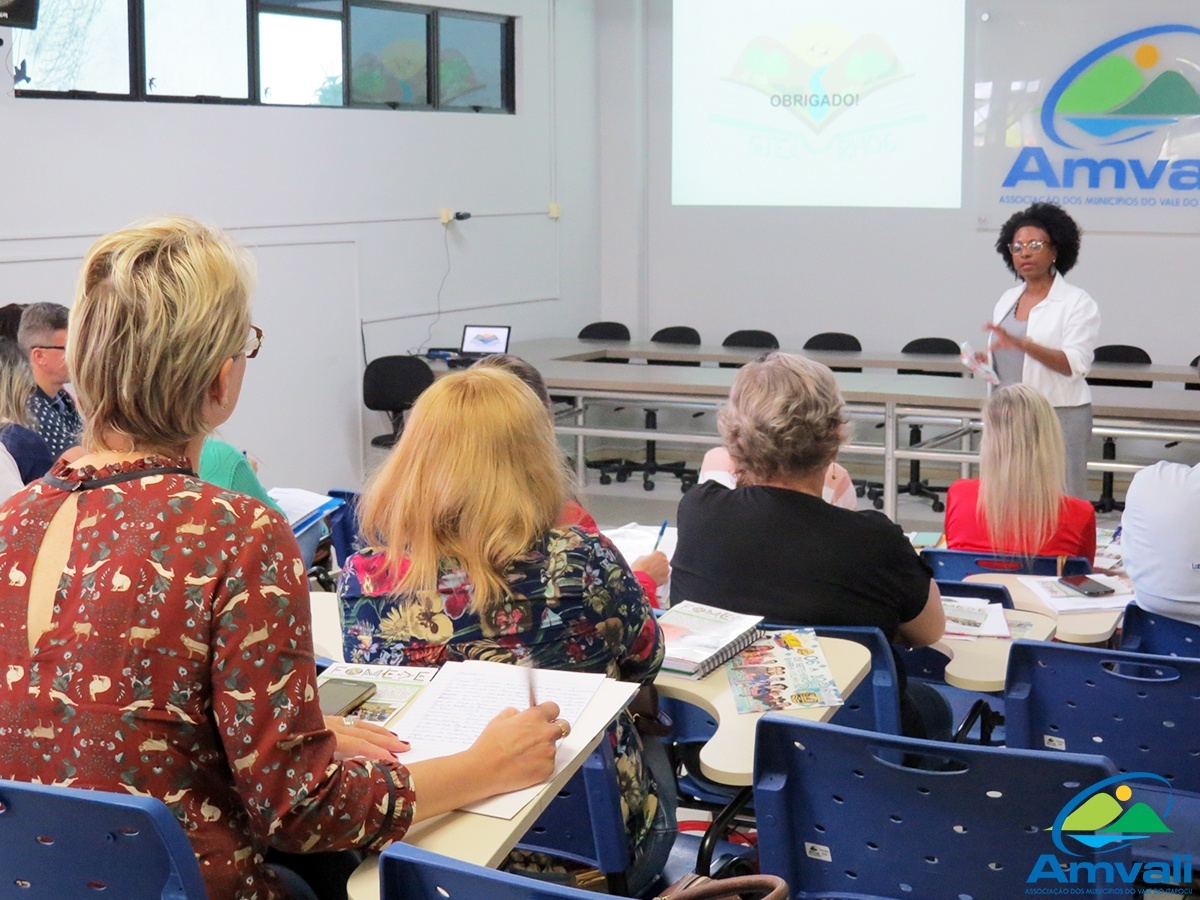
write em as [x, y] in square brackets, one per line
[929, 665]
[343, 525]
[1147, 632]
[848, 813]
[64, 843]
[410, 873]
[1139, 710]
[584, 822]
[955, 565]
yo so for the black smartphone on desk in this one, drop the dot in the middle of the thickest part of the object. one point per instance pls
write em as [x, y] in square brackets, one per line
[339, 696]
[1086, 586]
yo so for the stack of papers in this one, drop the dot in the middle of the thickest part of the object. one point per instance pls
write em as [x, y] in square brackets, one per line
[1062, 599]
[451, 712]
[968, 618]
[634, 540]
[1108, 550]
[395, 687]
[303, 508]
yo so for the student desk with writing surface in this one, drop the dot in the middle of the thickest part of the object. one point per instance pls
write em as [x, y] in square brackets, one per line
[470, 837]
[728, 757]
[1070, 628]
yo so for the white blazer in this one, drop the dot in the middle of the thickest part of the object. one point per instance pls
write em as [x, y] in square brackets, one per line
[1067, 320]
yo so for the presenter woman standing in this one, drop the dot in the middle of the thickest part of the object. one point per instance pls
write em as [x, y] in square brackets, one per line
[1044, 330]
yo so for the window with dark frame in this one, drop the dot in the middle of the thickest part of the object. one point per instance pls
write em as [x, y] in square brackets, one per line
[356, 53]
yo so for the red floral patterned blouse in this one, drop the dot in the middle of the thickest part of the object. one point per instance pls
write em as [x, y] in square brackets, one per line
[178, 664]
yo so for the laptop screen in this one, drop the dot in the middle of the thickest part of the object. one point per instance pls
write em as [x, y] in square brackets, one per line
[484, 340]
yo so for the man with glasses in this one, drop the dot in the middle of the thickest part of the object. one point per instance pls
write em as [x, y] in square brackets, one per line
[43, 340]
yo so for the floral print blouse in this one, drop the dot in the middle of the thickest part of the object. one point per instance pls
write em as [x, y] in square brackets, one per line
[178, 664]
[574, 605]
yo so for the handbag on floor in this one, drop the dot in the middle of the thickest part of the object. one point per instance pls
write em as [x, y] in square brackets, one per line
[744, 887]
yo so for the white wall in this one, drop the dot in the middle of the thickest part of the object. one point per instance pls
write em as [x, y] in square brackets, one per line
[341, 210]
[885, 275]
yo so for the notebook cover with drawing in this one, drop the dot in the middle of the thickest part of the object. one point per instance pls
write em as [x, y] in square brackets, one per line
[699, 638]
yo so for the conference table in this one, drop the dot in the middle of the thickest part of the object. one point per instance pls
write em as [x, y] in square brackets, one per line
[578, 369]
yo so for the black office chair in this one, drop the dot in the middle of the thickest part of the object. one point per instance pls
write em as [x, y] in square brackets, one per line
[605, 331]
[682, 335]
[749, 337]
[916, 487]
[1115, 353]
[1193, 385]
[834, 340]
[391, 384]
[616, 466]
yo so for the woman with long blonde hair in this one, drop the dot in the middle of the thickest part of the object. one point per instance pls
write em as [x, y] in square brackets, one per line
[466, 561]
[1019, 504]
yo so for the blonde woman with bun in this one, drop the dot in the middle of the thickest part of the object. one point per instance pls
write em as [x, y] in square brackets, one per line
[1019, 504]
[468, 560]
[166, 647]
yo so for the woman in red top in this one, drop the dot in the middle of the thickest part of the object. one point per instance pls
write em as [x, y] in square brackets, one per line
[155, 631]
[1019, 504]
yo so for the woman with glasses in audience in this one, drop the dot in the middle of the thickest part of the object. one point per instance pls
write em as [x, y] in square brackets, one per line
[166, 648]
[468, 560]
[1019, 503]
[1043, 332]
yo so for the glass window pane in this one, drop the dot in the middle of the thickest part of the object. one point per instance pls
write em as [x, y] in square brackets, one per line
[389, 50]
[196, 48]
[334, 6]
[469, 62]
[300, 59]
[79, 45]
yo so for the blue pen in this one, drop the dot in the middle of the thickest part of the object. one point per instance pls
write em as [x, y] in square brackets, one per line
[1116, 535]
[661, 532]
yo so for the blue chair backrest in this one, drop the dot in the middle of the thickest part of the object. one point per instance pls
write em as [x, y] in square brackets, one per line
[848, 813]
[1148, 632]
[410, 873]
[992, 593]
[875, 704]
[64, 843]
[955, 565]
[1140, 710]
[584, 822]
[343, 525]
[929, 664]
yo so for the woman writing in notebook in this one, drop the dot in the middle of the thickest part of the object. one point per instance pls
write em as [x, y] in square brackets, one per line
[166, 644]
[467, 561]
[1019, 503]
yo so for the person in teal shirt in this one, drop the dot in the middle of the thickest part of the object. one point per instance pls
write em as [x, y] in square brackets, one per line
[225, 466]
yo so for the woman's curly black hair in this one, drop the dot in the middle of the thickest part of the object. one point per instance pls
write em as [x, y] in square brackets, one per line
[1052, 219]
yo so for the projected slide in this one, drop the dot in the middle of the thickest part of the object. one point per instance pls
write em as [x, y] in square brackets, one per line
[817, 103]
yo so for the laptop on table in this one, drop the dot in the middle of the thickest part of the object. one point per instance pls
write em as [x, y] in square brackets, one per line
[479, 341]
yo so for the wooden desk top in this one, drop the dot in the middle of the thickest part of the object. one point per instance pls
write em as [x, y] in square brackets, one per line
[981, 665]
[728, 757]
[1070, 628]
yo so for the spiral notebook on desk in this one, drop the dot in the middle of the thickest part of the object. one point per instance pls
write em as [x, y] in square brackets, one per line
[699, 638]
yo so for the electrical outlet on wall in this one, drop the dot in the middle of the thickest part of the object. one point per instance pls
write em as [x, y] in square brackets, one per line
[447, 214]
